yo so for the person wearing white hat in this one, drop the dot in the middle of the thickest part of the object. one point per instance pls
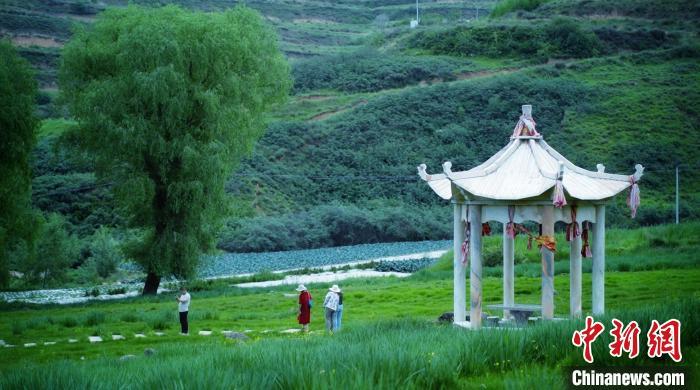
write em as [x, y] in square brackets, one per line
[338, 315]
[330, 304]
[305, 303]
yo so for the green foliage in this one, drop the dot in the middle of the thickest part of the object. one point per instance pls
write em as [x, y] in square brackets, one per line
[56, 251]
[650, 9]
[168, 101]
[334, 224]
[17, 130]
[558, 38]
[506, 6]
[445, 357]
[105, 254]
[368, 70]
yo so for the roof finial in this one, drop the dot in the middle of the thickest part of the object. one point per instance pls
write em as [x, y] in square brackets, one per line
[526, 125]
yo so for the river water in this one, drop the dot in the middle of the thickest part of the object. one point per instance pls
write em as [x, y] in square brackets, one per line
[239, 264]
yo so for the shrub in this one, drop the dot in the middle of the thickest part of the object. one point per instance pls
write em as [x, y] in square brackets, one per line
[116, 291]
[368, 70]
[129, 317]
[68, 322]
[506, 6]
[94, 318]
[105, 253]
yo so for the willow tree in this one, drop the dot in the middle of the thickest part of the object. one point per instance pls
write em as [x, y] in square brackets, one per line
[17, 139]
[168, 101]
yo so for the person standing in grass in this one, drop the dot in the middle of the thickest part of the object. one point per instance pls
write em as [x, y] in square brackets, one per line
[304, 316]
[338, 315]
[330, 304]
[183, 306]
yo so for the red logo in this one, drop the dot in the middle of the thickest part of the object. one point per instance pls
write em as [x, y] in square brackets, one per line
[626, 339]
[587, 336]
[662, 339]
[665, 339]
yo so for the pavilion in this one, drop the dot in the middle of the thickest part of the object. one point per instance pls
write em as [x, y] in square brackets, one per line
[528, 180]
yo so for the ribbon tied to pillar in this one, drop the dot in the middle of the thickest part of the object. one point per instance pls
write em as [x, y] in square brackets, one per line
[547, 242]
[572, 229]
[586, 248]
[510, 226]
[633, 199]
[467, 234]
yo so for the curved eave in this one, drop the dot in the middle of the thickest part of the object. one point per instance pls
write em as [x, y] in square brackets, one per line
[527, 167]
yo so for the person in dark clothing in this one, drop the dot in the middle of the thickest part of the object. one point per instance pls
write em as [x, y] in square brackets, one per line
[183, 307]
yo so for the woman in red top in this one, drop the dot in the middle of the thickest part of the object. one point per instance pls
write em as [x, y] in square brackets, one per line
[304, 316]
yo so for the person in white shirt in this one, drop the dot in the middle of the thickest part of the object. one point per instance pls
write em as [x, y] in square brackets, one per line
[330, 304]
[183, 307]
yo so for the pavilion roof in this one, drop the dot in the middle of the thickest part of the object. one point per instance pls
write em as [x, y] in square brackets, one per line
[527, 167]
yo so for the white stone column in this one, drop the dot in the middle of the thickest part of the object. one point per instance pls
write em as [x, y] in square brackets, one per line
[598, 272]
[547, 265]
[575, 277]
[475, 262]
[508, 271]
[460, 270]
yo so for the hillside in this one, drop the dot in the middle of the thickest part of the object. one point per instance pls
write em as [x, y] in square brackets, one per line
[615, 82]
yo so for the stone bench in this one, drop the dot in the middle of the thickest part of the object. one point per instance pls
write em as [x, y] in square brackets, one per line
[520, 312]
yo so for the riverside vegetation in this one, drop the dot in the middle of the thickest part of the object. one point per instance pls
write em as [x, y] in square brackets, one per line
[380, 313]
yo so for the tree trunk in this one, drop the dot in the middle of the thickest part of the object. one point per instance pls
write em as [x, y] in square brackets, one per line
[151, 285]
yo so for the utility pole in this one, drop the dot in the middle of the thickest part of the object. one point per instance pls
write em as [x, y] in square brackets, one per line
[677, 195]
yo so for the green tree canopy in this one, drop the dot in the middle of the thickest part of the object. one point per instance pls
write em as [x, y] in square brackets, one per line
[168, 101]
[17, 125]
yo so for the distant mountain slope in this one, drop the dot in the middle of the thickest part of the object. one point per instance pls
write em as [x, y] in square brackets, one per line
[374, 99]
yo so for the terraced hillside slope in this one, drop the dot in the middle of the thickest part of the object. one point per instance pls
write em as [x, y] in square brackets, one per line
[611, 81]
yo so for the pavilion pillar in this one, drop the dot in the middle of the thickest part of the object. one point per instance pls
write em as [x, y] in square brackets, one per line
[508, 272]
[575, 277]
[598, 271]
[547, 264]
[460, 269]
[475, 263]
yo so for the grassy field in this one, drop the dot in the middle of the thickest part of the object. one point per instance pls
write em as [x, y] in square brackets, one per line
[388, 320]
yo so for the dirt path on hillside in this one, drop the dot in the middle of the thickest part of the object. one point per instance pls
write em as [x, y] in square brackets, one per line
[326, 114]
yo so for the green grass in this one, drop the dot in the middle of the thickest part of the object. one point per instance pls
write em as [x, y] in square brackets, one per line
[385, 354]
[389, 340]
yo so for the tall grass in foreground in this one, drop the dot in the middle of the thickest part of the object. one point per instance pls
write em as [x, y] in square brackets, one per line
[389, 354]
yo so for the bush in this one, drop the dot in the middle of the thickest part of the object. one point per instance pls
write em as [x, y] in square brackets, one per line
[94, 318]
[55, 252]
[559, 37]
[95, 292]
[368, 70]
[68, 322]
[407, 266]
[506, 6]
[116, 291]
[105, 253]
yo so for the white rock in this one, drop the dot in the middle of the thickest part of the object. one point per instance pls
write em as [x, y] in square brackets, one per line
[247, 331]
[290, 331]
[9, 346]
[49, 343]
[2, 343]
[27, 345]
[139, 335]
[72, 341]
[95, 339]
[118, 337]
[159, 333]
[205, 332]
